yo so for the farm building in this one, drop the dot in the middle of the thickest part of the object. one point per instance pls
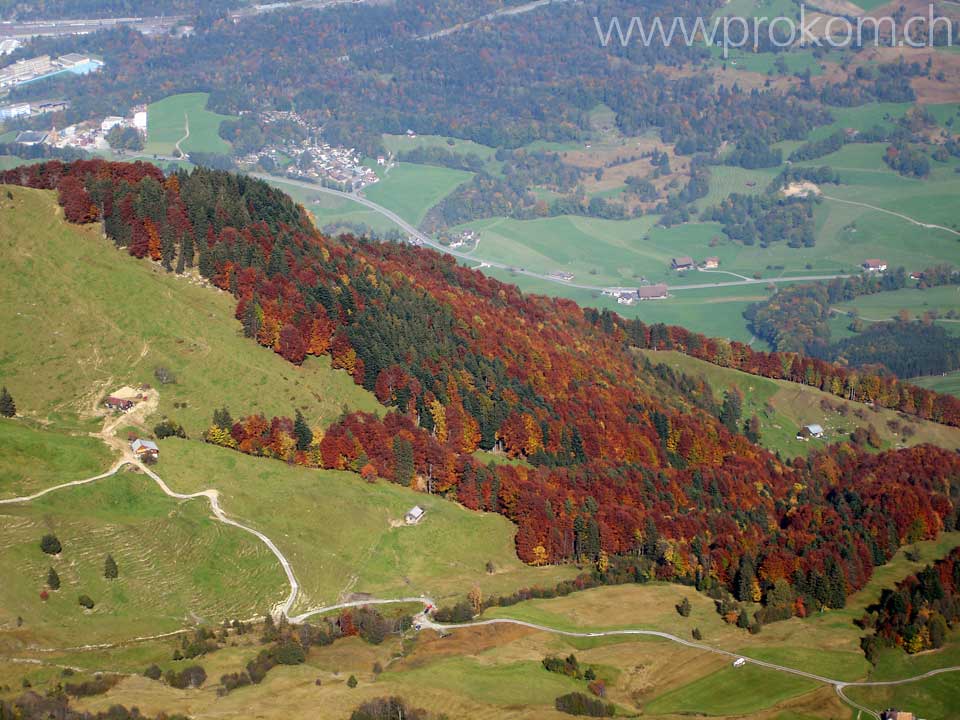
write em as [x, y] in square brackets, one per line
[414, 515]
[874, 265]
[810, 431]
[653, 292]
[892, 714]
[711, 263]
[115, 403]
[145, 448]
[682, 263]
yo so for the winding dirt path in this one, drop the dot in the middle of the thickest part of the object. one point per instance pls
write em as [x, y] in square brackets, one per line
[424, 621]
[186, 127]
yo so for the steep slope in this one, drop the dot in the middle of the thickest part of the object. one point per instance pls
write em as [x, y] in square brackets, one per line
[80, 320]
[624, 465]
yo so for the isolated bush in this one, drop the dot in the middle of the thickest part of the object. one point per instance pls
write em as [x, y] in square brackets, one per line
[193, 676]
[110, 571]
[53, 580]
[164, 376]
[352, 681]
[683, 607]
[168, 428]
[86, 601]
[153, 672]
[50, 544]
[290, 652]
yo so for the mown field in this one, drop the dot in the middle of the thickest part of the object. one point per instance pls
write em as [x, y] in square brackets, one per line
[343, 535]
[175, 564]
[784, 407]
[166, 123]
[106, 319]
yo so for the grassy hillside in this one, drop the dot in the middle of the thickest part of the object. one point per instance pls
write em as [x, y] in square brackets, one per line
[784, 407]
[344, 535]
[166, 124]
[31, 459]
[175, 565]
[80, 318]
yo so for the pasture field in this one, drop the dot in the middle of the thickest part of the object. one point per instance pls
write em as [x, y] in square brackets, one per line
[343, 535]
[175, 564]
[109, 320]
[401, 143]
[331, 210]
[32, 459]
[166, 125]
[949, 383]
[694, 309]
[784, 407]
[862, 118]
[411, 190]
[887, 305]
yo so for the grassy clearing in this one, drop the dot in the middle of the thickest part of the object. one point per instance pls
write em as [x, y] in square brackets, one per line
[176, 565]
[862, 117]
[166, 125]
[949, 383]
[343, 535]
[31, 459]
[108, 320]
[784, 407]
[411, 190]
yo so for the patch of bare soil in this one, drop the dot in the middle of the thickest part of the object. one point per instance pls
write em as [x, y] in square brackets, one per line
[464, 641]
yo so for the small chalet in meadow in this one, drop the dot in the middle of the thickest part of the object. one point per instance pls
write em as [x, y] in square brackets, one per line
[711, 263]
[414, 515]
[810, 431]
[145, 448]
[115, 403]
[682, 263]
[874, 265]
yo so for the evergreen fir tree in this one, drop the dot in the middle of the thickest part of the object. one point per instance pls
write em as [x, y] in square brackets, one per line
[402, 461]
[302, 432]
[8, 408]
[53, 580]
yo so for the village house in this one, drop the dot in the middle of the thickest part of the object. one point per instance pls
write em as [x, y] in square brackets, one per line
[414, 515]
[682, 263]
[711, 263]
[145, 449]
[874, 265]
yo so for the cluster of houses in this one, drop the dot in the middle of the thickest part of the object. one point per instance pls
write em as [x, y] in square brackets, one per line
[648, 292]
[685, 262]
[313, 159]
[88, 136]
[467, 237]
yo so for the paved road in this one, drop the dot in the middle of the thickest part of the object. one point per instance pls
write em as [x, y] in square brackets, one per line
[425, 621]
[427, 240]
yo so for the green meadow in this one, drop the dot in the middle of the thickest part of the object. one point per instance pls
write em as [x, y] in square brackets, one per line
[411, 190]
[344, 535]
[166, 123]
